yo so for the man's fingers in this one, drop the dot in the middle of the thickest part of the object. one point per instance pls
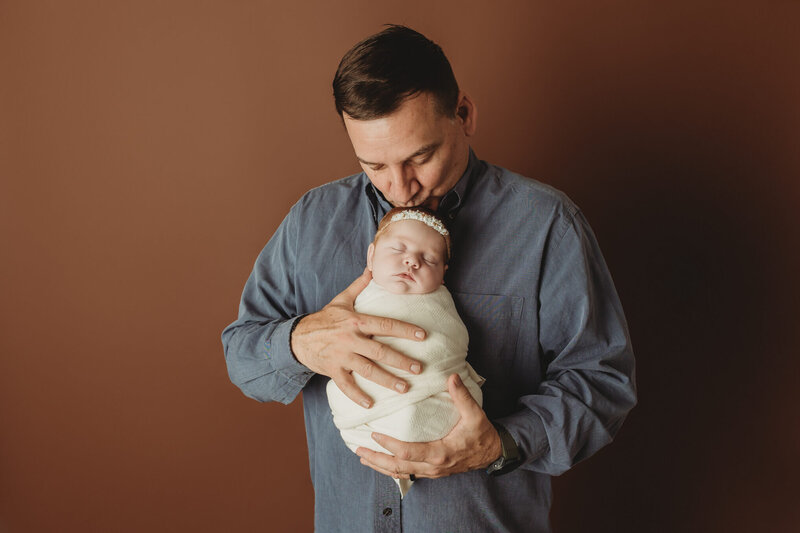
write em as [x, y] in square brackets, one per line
[383, 471]
[386, 355]
[369, 369]
[348, 386]
[389, 327]
[359, 284]
[411, 452]
[386, 464]
[397, 466]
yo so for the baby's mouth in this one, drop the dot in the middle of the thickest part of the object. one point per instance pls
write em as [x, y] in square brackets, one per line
[405, 275]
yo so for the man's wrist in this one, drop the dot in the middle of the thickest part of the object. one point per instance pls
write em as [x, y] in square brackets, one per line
[509, 458]
[291, 332]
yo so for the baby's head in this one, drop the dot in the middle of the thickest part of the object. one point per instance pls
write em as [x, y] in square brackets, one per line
[410, 251]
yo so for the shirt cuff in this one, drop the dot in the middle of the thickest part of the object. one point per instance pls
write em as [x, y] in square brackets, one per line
[529, 434]
[279, 349]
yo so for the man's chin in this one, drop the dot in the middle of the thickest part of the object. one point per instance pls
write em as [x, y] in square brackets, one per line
[411, 203]
[431, 202]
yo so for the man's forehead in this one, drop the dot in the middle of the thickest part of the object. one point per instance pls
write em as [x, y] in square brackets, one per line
[414, 127]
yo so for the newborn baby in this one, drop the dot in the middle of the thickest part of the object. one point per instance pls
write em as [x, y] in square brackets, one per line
[408, 259]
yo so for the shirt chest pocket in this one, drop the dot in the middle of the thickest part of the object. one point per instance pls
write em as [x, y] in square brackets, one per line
[493, 323]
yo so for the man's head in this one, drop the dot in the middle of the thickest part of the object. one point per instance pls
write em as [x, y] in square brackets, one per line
[410, 251]
[405, 116]
[381, 71]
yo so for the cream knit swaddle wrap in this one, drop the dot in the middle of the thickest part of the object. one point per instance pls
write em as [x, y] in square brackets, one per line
[426, 412]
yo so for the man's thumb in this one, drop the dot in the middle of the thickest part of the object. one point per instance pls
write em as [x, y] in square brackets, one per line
[355, 288]
[462, 399]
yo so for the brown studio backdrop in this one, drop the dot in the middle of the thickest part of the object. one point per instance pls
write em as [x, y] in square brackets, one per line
[149, 149]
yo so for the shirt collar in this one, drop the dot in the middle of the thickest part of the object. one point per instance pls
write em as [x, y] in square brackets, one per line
[454, 198]
[378, 205]
[449, 205]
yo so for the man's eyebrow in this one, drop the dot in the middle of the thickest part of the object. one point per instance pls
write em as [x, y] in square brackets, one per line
[428, 148]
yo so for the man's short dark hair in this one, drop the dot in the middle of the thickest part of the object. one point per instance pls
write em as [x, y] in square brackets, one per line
[380, 72]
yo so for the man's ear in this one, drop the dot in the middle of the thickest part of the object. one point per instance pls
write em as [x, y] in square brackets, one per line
[467, 113]
[370, 253]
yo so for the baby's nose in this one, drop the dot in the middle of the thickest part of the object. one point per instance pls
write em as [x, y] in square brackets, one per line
[411, 260]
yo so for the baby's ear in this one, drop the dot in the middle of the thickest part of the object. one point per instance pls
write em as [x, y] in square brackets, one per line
[370, 253]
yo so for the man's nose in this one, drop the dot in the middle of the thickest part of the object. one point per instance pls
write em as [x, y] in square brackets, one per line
[402, 179]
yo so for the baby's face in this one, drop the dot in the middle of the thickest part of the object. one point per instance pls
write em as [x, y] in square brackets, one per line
[408, 258]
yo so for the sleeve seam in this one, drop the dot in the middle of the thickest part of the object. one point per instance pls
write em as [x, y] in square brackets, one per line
[568, 222]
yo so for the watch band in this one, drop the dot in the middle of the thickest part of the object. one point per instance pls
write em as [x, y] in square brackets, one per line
[510, 457]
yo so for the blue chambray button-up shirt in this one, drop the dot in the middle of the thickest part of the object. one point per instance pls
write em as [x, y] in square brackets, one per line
[546, 330]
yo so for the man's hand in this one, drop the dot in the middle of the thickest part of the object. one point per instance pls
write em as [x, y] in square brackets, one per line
[336, 341]
[473, 443]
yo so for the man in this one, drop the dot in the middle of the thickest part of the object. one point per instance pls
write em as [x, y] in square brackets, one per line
[546, 327]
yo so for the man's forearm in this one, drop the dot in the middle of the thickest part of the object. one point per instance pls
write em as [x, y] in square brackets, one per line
[260, 361]
[571, 416]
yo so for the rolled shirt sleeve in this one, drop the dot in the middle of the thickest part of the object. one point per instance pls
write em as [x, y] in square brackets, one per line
[589, 384]
[257, 345]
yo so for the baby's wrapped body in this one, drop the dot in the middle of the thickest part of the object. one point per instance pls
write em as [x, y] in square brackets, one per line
[426, 412]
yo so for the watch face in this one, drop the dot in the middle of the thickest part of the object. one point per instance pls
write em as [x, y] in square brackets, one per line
[502, 466]
[510, 458]
[508, 467]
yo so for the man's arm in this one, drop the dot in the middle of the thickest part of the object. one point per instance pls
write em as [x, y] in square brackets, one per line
[256, 345]
[589, 386]
[271, 352]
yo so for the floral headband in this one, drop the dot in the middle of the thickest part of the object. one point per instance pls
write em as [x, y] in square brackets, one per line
[410, 214]
[428, 220]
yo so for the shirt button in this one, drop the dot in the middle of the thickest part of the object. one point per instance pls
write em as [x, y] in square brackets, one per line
[387, 511]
